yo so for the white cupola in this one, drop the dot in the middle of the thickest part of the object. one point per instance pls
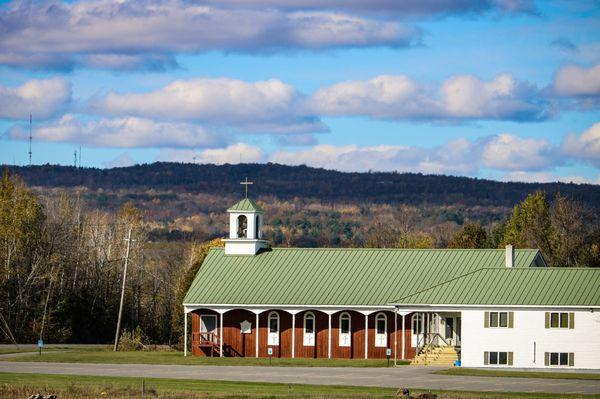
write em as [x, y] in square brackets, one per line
[245, 228]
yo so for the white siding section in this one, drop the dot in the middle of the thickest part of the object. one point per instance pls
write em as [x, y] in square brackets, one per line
[529, 328]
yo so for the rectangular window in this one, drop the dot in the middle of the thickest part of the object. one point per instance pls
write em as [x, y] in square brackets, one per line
[345, 326]
[559, 359]
[500, 358]
[309, 327]
[560, 320]
[499, 319]
[380, 326]
[273, 327]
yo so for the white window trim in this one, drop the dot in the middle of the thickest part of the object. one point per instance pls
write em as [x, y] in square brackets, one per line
[378, 337]
[304, 333]
[559, 327]
[498, 358]
[418, 319]
[345, 342]
[499, 326]
[558, 365]
[273, 338]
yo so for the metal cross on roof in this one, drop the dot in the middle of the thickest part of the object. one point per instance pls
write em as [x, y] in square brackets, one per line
[246, 183]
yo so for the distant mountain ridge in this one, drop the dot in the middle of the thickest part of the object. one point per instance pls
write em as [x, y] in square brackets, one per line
[287, 182]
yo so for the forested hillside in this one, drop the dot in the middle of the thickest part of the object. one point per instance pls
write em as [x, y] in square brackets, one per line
[288, 182]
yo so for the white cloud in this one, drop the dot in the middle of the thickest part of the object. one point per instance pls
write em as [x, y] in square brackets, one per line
[232, 154]
[42, 98]
[94, 32]
[584, 147]
[547, 177]
[573, 80]
[510, 152]
[458, 98]
[392, 7]
[125, 132]
[264, 106]
[459, 156]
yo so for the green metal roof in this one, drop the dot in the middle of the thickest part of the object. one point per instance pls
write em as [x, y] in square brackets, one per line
[246, 205]
[515, 286]
[336, 276]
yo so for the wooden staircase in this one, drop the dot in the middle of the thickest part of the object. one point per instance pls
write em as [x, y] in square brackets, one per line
[434, 355]
[209, 341]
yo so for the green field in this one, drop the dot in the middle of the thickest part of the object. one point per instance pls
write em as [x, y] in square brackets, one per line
[95, 355]
[520, 374]
[13, 386]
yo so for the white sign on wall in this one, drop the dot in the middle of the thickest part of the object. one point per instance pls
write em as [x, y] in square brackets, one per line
[245, 327]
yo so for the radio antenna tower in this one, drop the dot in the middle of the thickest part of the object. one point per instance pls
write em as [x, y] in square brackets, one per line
[79, 156]
[75, 159]
[30, 138]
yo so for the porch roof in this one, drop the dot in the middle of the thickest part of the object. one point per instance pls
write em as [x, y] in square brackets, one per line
[336, 276]
[514, 286]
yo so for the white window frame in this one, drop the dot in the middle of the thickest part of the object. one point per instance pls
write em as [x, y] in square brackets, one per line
[381, 339]
[345, 339]
[308, 339]
[499, 318]
[559, 316]
[558, 363]
[203, 329]
[273, 337]
[497, 358]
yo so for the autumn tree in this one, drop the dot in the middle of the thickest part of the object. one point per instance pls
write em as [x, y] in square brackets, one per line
[472, 235]
[530, 225]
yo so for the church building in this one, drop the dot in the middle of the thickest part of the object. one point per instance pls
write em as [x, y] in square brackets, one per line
[469, 307]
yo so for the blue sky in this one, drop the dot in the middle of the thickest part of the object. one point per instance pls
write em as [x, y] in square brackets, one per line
[501, 89]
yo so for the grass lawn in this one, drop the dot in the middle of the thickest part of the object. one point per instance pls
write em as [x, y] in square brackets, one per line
[13, 385]
[520, 374]
[95, 355]
[6, 351]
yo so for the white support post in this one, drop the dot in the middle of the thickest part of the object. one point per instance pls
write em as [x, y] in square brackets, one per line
[293, 335]
[427, 328]
[395, 337]
[403, 335]
[257, 329]
[184, 333]
[221, 335]
[366, 336]
[329, 338]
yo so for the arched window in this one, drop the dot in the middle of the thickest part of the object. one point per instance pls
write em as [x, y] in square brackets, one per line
[273, 338]
[381, 330]
[309, 329]
[257, 227]
[345, 329]
[242, 226]
[417, 323]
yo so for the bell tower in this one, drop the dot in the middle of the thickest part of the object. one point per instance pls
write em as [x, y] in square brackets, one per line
[245, 227]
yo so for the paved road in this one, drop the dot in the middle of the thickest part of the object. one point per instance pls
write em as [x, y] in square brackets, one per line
[413, 377]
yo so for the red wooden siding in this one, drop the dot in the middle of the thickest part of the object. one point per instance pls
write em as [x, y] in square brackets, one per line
[237, 344]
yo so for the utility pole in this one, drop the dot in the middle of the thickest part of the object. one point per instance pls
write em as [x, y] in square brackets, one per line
[128, 239]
